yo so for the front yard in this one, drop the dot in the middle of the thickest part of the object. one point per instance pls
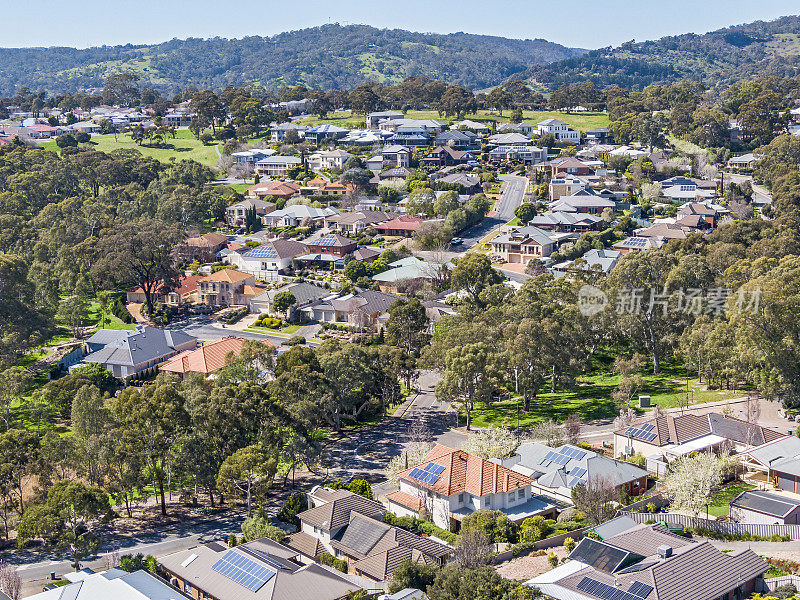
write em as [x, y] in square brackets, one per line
[721, 502]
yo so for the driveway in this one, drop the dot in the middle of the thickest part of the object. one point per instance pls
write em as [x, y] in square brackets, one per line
[206, 329]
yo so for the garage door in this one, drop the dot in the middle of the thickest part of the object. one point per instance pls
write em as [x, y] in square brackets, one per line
[514, 258]
[786, 482]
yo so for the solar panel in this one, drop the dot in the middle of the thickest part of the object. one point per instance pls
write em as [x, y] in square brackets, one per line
[650, 437]
[648, 427]
[416, 474]
[434, 468]
[551, 456]
[562, 460]
[642, 590]
[578, 472]
[242, 570]
[568, 452]
[579, 454]
[604, 591]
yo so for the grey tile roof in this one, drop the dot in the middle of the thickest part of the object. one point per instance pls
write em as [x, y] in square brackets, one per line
[335, 513]
[764, 502]
[140, 346]
[782, 455]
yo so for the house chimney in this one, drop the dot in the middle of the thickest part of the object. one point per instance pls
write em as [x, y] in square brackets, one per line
[664, 551]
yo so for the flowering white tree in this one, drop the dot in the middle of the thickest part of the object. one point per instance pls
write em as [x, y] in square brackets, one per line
[413, 454]
[10, 581]
[494, 442]
[548, 432]
[692, 481]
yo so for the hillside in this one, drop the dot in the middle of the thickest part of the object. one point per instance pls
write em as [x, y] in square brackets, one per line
[330, 56]
[738, 52]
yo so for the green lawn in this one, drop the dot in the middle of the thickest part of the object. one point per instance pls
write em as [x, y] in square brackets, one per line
[721, 502]
[183, 146]
[592, 398]
[111, 321]
[290, 329]
[581, 121]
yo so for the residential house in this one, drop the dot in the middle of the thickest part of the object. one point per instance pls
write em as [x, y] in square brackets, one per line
[647, 562]
[128, 354]
[277, 133]
[364, 137]
[298, 214]
[566, 222]
[665, 438]
[276, 166]
[601, 260]
[374, 119]
[351, 223]
[236, 213]
[698, 215]
[569, 167]
[429, 126]
[529, 155]
[330, 243]
[471, 184]
[565, 186]
[395, 156]
[250, 157]
[522, 245]
[402, 226]
[445, 156]
[756, 506]
[331, 159]
[267, 260]
[411, 136]
[112, 583]
[561, 131]
[452, 484]
[366, 254]
[637, 244]
[524, 128]
[207, 358]
[304, 293]
[396, 174]
[509, 139]
[227, 287]
[205, 247]
[583, 201]
[367, 203]
[457, 139]
[352, 528]
[186, 286]
[274, 189]
[406, 272]
[600, 135]
[323, 187]
[663, 231]
[259, 570]
[363, 308]
[745, 161]
[85, 127]
[779, 460]
[325, 134]
[475, 126]
[556, 471]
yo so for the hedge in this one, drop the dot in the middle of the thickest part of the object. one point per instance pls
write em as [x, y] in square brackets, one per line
[331, 561]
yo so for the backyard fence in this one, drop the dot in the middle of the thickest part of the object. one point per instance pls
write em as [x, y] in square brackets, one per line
[724, 527]
[775, 582]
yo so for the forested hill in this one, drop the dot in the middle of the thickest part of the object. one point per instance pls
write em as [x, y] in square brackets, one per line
[330, 56]
[738, 52]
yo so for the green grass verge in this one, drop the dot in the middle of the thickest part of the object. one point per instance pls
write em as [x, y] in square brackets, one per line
[183, 146]
[721, 502]
[592, 399]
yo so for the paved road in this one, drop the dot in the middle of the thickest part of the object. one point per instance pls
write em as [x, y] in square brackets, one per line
[206, 329]
[157, 543]
[761, 195]
[365, 453]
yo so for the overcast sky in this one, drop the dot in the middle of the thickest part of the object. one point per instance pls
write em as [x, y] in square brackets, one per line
[577, 23]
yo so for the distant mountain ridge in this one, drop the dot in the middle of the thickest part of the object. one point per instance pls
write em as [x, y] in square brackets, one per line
[722, 56]
[329, 56]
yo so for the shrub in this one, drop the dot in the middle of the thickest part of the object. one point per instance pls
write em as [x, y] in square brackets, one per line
[496, 525]
[294, 504]
[552, 559]
[296, 340]
[651, 507]
[268, 322]
[569, 544]
[260, 526]
[329, 560]
[234, 315]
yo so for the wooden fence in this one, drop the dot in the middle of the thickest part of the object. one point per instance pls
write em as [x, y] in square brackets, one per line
[725, 527]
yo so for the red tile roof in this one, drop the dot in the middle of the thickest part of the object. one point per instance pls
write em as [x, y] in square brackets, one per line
[207, 358]
[402, 223]
[467, 472]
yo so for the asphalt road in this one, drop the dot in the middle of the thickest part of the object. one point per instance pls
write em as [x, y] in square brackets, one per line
[761, 195]
[157, 543]
[205, 329]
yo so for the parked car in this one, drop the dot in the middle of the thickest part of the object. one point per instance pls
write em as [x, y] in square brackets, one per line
[456, 241]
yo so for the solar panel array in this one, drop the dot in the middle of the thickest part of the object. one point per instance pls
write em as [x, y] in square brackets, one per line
[636, 242]
[327, 240]
[640, 589]
[429, 474]
[604, 591]
[577, 476]
[265, 251]
[242, 570]
[643, 432]
[563, 456]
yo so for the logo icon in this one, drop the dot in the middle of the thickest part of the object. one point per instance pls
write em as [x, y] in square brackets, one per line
[591, 300]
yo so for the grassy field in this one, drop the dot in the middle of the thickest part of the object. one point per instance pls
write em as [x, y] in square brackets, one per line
[592, 399]
[111, 321]
[581, 121]
[721, 502]
[183, 146]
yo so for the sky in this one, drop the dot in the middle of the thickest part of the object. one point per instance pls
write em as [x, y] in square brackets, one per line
[577, 23]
